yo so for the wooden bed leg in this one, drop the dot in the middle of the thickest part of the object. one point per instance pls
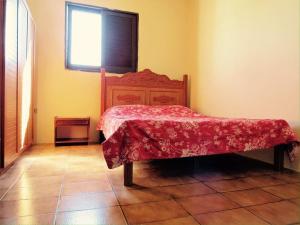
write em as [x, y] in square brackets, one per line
[128, 171]
[196, 163]
[279, 157]
[101, 137]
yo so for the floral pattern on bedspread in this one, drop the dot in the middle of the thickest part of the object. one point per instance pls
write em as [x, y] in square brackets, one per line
[139, 132]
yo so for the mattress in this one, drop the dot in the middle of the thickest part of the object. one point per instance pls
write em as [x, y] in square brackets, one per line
[141, 132]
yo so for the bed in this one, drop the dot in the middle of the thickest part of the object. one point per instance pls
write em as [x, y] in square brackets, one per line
[145, 116]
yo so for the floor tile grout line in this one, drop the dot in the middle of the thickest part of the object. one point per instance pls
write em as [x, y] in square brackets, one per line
[294, 198]
[203, 182]
[222, 194]
[220, 210]
[250, 188]
[10, 187]
[257, 216]
[208, 212]
[243, 178]
[87, 209]
[59, 198]
[224, 210]
[247, 189]
[171, 198]
[15, 217]
[189, 215]
[179, 217]
[169, 185]
[245, 207]
[186, 210]
[273, 175]
[86, 193]
[272, 193]
[175, 199]
[13, 183]
[290, 200]
[232, 178]
[241, 206]
[117, 199]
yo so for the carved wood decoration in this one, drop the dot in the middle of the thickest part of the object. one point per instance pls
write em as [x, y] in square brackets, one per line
[122, 95]
[128, 98]
[163, 99]
[143, 87]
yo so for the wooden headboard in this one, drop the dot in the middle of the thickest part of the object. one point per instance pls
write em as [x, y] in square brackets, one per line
[145, 87]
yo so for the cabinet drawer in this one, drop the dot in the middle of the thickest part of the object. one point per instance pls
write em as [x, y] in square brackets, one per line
[71, 122]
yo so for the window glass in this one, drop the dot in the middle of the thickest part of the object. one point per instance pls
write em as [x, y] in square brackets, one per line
[85, 38]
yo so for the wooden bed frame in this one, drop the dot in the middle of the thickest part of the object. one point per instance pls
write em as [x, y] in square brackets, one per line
[148, 88]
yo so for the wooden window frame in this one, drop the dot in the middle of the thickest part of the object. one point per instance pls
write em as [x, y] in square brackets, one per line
[69, 6]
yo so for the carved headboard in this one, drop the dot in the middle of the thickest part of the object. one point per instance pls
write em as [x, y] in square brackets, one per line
[145, 87]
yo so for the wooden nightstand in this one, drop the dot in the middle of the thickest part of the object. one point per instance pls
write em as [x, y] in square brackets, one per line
[62, 122]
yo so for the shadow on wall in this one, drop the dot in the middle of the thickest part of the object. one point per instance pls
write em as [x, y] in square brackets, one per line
[203, 37]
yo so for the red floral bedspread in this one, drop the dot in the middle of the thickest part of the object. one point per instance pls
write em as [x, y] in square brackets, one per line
[139, 132]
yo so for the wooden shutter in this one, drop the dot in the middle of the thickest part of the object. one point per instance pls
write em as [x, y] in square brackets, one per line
[17, 80]
[25, 76]
[11, 81]
[30, 59]
[22, 69]
[119, 41]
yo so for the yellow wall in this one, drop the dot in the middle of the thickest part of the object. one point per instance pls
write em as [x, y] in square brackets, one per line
[247, 60]
[162, 47]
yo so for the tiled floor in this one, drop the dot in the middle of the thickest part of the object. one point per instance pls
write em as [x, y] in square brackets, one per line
[72, 185]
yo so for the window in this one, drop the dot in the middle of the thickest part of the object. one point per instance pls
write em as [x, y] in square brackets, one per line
[98, 37]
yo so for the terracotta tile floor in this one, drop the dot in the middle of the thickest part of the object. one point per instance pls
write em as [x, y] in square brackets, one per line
[72, 185]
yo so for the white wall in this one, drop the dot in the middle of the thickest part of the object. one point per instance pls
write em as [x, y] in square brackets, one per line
[247, 60]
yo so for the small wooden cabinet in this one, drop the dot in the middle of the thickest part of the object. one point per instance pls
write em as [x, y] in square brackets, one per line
[63, 122]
